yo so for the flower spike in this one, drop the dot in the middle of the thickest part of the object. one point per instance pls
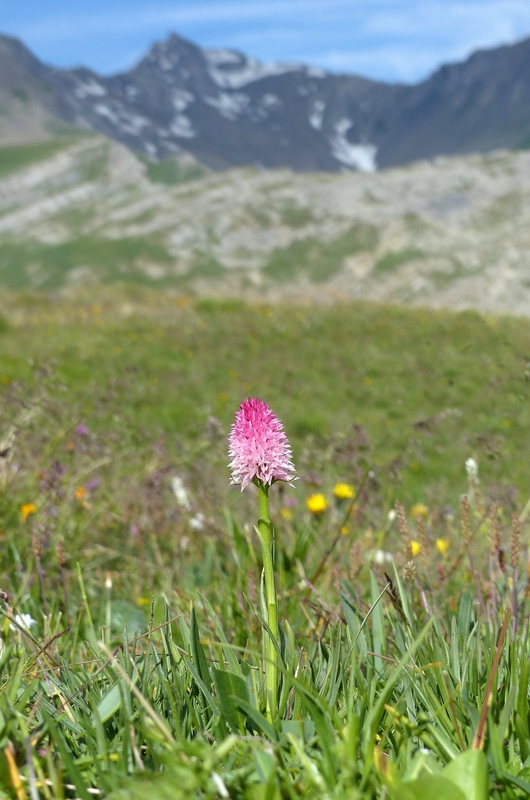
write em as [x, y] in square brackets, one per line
[259, 449]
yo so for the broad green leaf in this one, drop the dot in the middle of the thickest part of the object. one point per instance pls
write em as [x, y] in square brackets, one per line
[378, 622]
[428, 787]
[111, 701]
[302, 729]
[465, 611]
[265, 765]
[197, 652]
[161, 787]
[257, 718]
[229, 685]
[260, 791]
[522, 712]
[464, 778]
[469, 772]
[517, 780]
[455, 650]
[206, 691]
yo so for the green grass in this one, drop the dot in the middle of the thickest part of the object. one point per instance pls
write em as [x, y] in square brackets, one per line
[319, 260]
[501, 211]
[143, 670]
[296, 216]
[14, 157]
[48, 265]
[174, 171]
[393, 260]
[427, 388]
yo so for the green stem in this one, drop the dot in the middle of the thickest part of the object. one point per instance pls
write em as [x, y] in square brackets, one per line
[269, 640]
[264, 523]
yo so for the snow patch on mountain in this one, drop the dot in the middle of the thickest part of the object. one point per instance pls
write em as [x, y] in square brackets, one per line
[181, 99]
[232, 70]
[89, 89]
[108, 113]
[315, 72]
[317, 114]
[229, 105]
[181, 126]
[270, 100]
[127, 121]
[219, 56]
[165, 63]
[357, 156]
[132, 123]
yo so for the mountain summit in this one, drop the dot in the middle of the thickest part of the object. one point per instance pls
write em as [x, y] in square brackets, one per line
[228, 110]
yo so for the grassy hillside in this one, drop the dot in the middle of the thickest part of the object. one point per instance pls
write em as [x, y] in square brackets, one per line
[408, 393]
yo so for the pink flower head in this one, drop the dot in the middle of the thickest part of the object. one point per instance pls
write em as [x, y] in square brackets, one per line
[258, 446]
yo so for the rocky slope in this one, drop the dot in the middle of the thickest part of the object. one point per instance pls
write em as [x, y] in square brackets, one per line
[451, 232]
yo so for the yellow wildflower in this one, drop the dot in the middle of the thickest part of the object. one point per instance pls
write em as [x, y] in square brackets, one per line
[442, 545]
[317, 504]
[26, 509]
[343, 491]
[419, 510]
[80, 494]
[344, 530]
[415, 547]
[286, 514]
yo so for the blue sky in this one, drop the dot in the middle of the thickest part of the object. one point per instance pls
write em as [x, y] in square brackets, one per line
[389, 40]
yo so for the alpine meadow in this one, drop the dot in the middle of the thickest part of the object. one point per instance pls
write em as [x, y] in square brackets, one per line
[264, 451]
[137, 634]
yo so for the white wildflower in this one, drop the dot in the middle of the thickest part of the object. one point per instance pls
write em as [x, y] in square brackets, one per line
[472, 469]
[197, 522]
[382, 557]
[179, 490]
[25, 621]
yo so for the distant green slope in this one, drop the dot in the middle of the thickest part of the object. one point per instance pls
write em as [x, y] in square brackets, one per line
[15, 157]
[408, 394]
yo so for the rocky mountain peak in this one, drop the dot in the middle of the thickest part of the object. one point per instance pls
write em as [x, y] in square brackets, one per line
[227, 109]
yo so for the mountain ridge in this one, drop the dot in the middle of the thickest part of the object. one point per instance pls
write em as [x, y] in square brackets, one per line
[228, 110]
